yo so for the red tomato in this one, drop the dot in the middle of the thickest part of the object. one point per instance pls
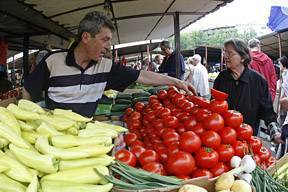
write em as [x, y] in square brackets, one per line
[180, 163]
[170, 137]
[257, 159]
[202, 114]
[190, 142]
[137, 143]
[198, 129]
[154, 167]
[201, 173]
[217, 106]
[214, 122]
[178, 98]
[156, 106]
[166, 102]
[226, 152]
[157, 123]
[240, 148]
[244, 132]
[163, 154]
[180, 129]
[264, 154]
[219, 95]
[129, 138]
[139, 106]
[218, 169]
[148, 156]
[190, 123]
[194, 111]
[228, 135]
[135, 116]
[171, 122]
[211, 139]
[153, 97]
[183, 116]
[206, 157]
[187, 106]
[128, 111]
[201, 102]
[271, 161]
[137, 150]
[126, 157]
[233, 118]
[134, 124]
[164, 112]
[255, 144]
[150, 116]
[173, 148]
[162, 94]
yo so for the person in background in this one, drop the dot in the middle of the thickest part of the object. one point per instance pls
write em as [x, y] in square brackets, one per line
[5, 84]
[263, 64]
[149, 66]
[158, 59]
[198, 76]
[75, 79]
[168, 65]
[248, 90]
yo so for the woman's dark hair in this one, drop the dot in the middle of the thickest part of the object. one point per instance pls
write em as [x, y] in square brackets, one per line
[241, 48]
[284, 61]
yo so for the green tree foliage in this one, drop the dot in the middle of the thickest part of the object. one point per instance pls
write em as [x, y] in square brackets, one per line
[214, 38]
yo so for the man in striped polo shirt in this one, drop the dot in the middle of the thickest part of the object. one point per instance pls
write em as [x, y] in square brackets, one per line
[76, 78]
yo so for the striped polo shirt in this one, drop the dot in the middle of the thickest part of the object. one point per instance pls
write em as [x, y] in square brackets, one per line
[69, 86]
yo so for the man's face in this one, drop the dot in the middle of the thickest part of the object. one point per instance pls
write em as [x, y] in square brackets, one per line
[165, 51]
[99, 45]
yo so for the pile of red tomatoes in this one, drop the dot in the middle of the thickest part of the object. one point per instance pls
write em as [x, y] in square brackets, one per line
[188, 136]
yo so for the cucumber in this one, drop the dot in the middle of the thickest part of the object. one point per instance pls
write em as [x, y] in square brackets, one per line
[127, 96]
[141, 94]
[119, 107]
[105, 100]
[123, 101]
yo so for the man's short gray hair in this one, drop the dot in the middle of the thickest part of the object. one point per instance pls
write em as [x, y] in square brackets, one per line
[165, 44]
[196, 57]
[92, 23]
[253, 43]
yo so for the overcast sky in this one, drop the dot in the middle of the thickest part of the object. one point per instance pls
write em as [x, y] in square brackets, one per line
[238, 12]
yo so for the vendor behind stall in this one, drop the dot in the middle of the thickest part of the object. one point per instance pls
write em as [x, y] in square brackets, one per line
[76, 78]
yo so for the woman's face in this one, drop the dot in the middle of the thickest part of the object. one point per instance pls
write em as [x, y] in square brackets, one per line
[232, 58]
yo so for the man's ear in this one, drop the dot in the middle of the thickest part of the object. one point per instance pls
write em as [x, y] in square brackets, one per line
[85, 37]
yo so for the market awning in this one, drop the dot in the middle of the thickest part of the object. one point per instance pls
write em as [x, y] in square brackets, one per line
[134, 20]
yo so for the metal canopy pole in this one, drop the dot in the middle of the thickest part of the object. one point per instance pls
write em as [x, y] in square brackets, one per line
[177, 43]
[279, 45]
[25, 56]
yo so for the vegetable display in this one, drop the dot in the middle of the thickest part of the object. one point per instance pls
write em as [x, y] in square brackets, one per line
[53, 151]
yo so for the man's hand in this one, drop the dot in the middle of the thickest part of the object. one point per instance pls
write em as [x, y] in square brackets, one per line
[187, 87]
[284, 103]
[275, 133]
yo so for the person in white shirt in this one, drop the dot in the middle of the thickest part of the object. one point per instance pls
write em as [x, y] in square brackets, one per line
[199, 76]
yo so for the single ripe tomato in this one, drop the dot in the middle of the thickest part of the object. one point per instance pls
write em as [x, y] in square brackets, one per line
[244, 132]
[255, 144]
[180, 163]
[189, 142]
[126, 157]
[233, 118]
[257, 159]
[218, 169]
[164, 112]
[201, 173]
[129, 138]
[211, 139]
[264, 154]
[201, 102]
[214, 122]
[217, 106]
[162, 94]
[202, 114]
[170, 137]
[240, 148]
[139, 106]
[206, 157]
[137, 150]
[219, 95]
[171, 122]
[154, 167]
[228, 135]
[128, 111]
[226, 152]
[135, 115]
[148, 156]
